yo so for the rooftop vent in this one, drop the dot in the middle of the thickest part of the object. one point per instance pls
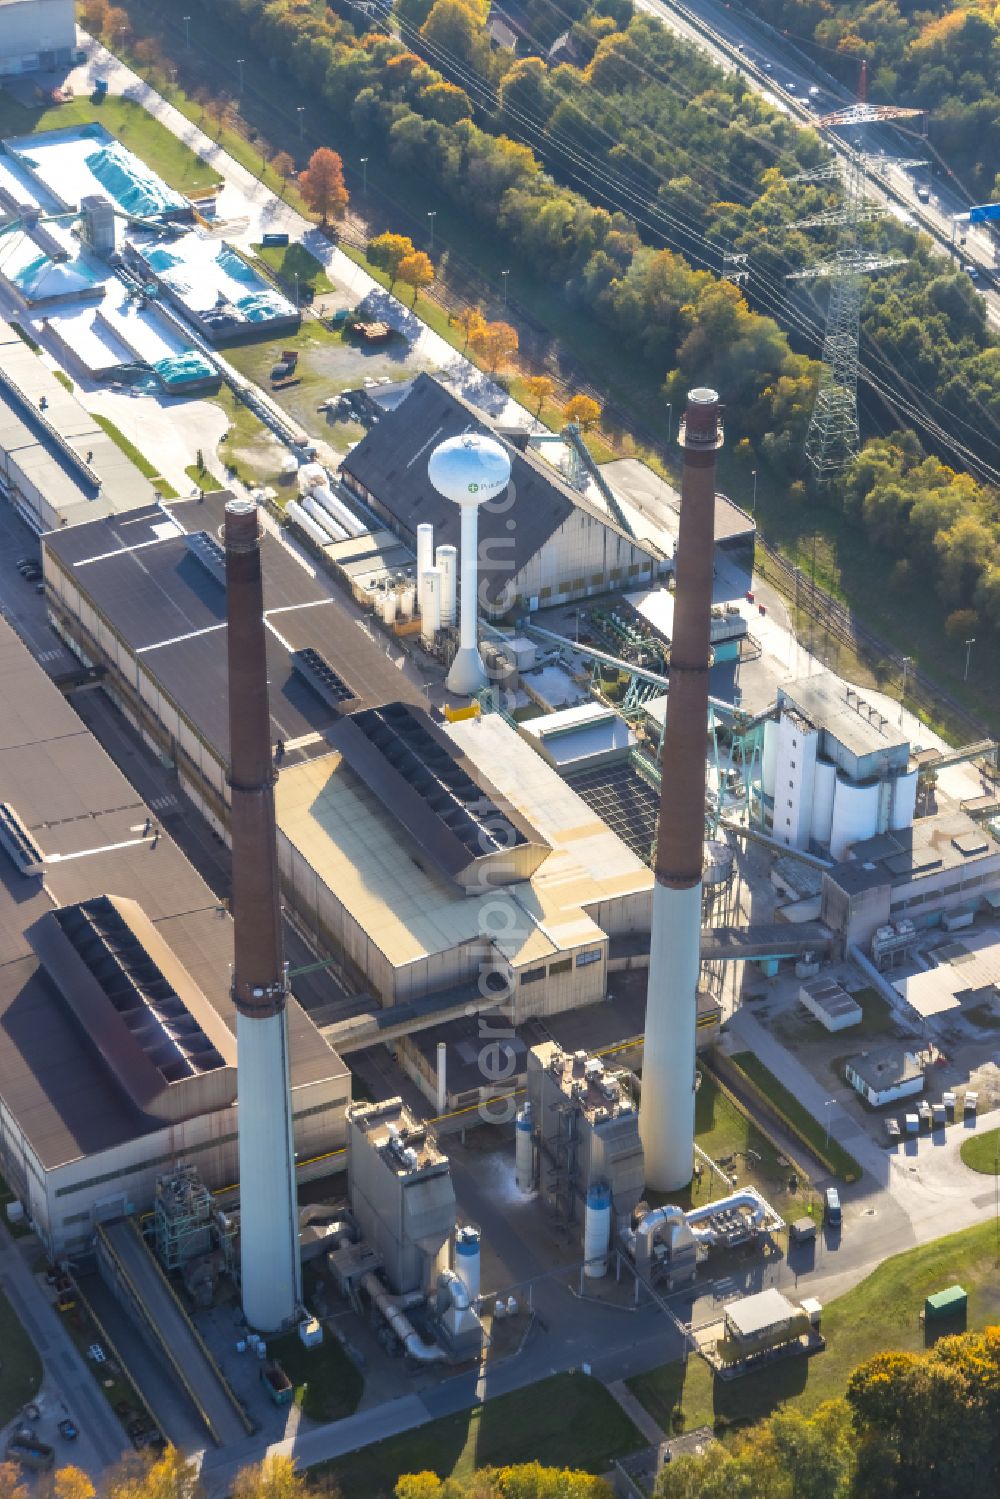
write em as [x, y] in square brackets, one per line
[209, 553]
[321, 677]
[18, 842]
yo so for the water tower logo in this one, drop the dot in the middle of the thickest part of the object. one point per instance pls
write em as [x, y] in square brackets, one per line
[473, 488]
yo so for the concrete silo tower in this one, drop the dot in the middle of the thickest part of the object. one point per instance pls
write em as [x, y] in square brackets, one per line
[469, 470]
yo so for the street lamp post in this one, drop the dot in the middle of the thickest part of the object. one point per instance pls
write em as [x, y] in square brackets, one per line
[431, 216]
[670, 419]
[364, 175]
[907, 663]
[239, 63]
[968, 656]
[505, 274]
[753, 511]
[187, 32]
[300, 110]
[828, 1106]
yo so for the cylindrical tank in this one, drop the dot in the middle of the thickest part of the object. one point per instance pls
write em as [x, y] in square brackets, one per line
[430, 610]
[446, 558]
[904, 801]
[524, 1151]
[337, 510]
[378, 602]
[718, 865]
[322, 519]
[769, 756]
[500, 1309]
[467, 1260]
[597, 1230]
[824, 791]
[512, 1306]
[855, 815]
[389, 614]
[310, 476]
[407, 600]
[305, 522]
[425, 559]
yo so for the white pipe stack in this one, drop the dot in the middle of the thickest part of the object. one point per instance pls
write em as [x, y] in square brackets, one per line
[430, 613]
[446, 558]
[425, 560]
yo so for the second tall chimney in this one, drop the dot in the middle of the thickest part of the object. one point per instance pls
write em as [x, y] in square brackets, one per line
[666, 1113]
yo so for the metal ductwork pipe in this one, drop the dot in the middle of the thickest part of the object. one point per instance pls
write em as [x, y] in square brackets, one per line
[388, 1305]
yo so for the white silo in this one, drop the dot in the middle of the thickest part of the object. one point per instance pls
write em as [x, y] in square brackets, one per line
[467, 1261]
[524, 1151]
[430, 613]
[446, 558]
[469, 470]
[597, 1230]
[425, 559]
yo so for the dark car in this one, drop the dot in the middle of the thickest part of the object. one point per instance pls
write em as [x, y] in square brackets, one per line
[68, 1430]
[833, 1212]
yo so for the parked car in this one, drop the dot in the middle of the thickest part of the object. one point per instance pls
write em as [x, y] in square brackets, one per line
[833, 1211]
[68, 1430]
[892, 1128]
[802, 1231]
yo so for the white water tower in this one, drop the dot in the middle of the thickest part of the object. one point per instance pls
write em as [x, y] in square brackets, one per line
[469, 470]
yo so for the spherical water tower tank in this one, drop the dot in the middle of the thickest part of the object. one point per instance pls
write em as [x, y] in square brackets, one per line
[469, 470]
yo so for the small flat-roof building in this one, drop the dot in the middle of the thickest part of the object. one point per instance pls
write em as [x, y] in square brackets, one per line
[942, 863]
[117, 1030]
[57, 466]
[886, 1074]
[541, 542]
[581, 737]
[830, 1003]
[36, 35]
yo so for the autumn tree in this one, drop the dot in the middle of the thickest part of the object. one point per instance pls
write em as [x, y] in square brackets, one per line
[496, 343]
[93, 15]
[72, 1483]
[471, 321]
[275, 1478]
[540, 389]
[417, 270]
[137, 1476]
[284, 167]
[11, 1486]
[322, 184]
[388, 251]
[583, 411]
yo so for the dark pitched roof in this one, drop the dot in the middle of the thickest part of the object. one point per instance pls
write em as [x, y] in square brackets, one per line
[391, 463]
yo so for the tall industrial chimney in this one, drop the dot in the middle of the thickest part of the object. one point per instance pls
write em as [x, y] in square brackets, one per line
[666, 1113]
[270, 1267]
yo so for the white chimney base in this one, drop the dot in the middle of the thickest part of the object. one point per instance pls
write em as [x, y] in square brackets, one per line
[468, 674]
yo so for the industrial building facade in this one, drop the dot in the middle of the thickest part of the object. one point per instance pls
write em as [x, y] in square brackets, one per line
[117, 1053]
[541, 542]
[36, 35]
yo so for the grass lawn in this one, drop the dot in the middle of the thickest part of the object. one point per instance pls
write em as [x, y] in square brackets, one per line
[130, 450]
[880, 1313]
[568, 1420]
[289, 262]
[797, 1117]
[20, 1365]
[248, 446]
[980, 1152]
[327, 1384]
[169, 157]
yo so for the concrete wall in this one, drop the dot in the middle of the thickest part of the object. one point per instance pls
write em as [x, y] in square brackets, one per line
[36, 34]
[582, 557]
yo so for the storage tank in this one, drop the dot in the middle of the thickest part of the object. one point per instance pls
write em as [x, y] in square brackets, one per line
[305, 522]
[718, 865]
[467, 1260]
[407, 600]
[769, 756]
[524, 1151]
[311, 476]
[855, 815]
[389, 613]
[904, 800]
[425, 560]
[337, 510]
[446, 558]
[430, 612]
[597, 1230]
[824, 790]
[332, 531]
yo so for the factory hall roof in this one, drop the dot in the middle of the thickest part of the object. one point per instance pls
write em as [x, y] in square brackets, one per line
[156, 578]
[96, 838]
[950, 840]
[390, 462]
[60, 449]
[653, 506]
[398, 895]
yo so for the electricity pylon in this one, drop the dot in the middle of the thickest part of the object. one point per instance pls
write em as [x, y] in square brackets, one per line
[833, 438]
